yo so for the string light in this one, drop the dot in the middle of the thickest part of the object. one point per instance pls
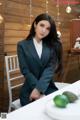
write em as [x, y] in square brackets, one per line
[1, 18]
[0, 3]
[30, 14]
[68, 8]
[58, 19]
[47, 6]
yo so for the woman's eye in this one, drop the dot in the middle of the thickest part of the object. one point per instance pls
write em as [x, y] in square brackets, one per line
[42, 25]
[48, 28]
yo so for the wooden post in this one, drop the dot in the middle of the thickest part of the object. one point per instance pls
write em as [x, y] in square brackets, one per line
[2, 57]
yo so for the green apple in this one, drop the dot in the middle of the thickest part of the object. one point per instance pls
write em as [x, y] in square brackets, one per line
[61, 101]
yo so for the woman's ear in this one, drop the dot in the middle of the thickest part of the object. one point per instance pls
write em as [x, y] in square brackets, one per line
[34, 25]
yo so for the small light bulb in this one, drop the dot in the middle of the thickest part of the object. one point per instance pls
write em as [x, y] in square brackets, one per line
[47, 11]
[0, 3]
[47, 2]
[68, 9]
[59, 33]
[1, 19]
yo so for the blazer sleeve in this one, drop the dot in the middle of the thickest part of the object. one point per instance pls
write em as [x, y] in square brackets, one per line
[47, 74]
[31, 79]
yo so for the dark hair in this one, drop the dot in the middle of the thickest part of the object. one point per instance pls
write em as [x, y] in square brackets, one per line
[52, 38]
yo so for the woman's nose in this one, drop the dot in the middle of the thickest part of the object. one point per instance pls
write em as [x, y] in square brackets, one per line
[43, 30]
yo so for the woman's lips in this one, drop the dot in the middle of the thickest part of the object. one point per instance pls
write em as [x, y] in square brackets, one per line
[42, 34]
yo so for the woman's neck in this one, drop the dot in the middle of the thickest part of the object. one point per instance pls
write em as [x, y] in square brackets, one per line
[37, 39]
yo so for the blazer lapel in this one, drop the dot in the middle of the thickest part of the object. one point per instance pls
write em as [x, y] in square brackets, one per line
[33, 51]
[45, 54]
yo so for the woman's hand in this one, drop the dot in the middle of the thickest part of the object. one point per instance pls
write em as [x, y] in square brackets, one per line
[42, 95]
[35, 94]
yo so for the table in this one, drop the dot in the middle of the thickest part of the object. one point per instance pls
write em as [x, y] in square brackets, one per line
[36, 110]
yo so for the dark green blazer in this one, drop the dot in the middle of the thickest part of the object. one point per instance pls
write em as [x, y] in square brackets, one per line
[37, 72]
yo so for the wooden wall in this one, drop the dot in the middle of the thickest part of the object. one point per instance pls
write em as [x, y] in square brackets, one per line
[16, 23]
[17, 20]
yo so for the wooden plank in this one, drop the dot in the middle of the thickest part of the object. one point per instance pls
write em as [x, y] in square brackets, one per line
[9, 48]
[12, 40]
[16, 4]
[19, 12]
[37, 10]
[16, 26]
[17, 18]
[38, 3]
[1, 49]
[16, 33]
[11, 53]
[21, 1]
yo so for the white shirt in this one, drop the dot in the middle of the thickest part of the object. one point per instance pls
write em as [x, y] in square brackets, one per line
[38, 46]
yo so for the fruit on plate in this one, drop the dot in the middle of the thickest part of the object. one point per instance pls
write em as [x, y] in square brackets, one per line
[61, 101]
[71, 96]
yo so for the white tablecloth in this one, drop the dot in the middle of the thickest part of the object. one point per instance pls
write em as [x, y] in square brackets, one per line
[36, 110]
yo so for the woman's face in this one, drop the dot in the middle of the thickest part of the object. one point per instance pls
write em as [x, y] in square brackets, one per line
[42, 29]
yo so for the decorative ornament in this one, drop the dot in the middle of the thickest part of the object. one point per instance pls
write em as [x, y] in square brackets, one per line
[77, 43]
[68, 9]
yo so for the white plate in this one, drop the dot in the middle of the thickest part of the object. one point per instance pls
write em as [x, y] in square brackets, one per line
[71, 112]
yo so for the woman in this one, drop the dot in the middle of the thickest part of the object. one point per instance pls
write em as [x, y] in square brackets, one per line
[38, 57]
